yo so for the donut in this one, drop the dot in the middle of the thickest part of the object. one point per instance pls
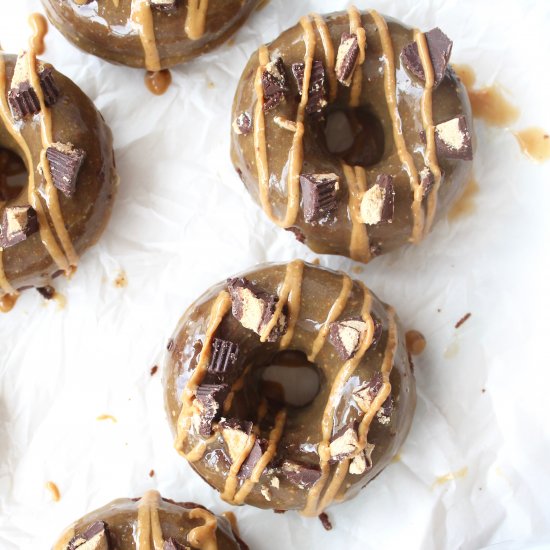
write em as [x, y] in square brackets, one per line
[66, 200]
[150, 34]
[353, 132]
[151, 523]
[241, 434]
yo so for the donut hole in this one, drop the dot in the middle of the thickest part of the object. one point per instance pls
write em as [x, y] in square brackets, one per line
[354, 135]
[290, 379]
[13, 174]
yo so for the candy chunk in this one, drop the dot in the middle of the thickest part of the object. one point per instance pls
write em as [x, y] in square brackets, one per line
[94, 538]
[317, 93]
[346, 60]
[18, 223]
[173, 544]
[453, 139]
[346, 336]
[302, 475]
[164, 5]
[319, 196]
[274, 84]
[65, 163]
[377, 205]
[242, 125]
[256, 453]
[223, 360]
[235, 434]
[344, 443]
[362, 462]
[365, 394]
[427, 181]
[209, 401]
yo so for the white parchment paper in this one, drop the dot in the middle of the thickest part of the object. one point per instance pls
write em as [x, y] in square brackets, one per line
[183, 221]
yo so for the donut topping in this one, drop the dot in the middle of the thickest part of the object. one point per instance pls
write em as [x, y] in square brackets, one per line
[164, 5]
[319, 196]
[274, 84]
[242, 125]
[346, 60]
[94, 538]
[18, 223]
[427, 181]
[305, 476]
[362, 462]
[65, 162]
[317, 93]
[235, 433]
[254, 309]
[346, 336]
[365, 394]
[223, 360]
[344, 443]
[208, 402]
[173, 544]
[257, 451]
[439, 46]
[384, 414]
[377, 205]
[453, 139]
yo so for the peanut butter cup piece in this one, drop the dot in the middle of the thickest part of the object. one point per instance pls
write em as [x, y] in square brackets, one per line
[95, 537]
[256, 453]
[362, 462]
[65, 162]
[384, 413]
[346, 60]
[344, 443]
[365, 394]
[319, 196]
[235, 434]
[209, 400]
[377, 205]
[242, 125]
[427, 181]
[18, 223]
[223, 360]
[453, 139]
[274, 84]
[317, 93]
[164, 5]
[302, 475]
[346, 336]
[173, 544]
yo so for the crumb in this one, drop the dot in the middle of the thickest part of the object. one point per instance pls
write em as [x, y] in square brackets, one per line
[154, 370]
[152, 473]
[280, 511]
[325, 521]
[54, 490]
[463, 320]
[107, 417]
[121, 280]
[170, 345]
[211, 85]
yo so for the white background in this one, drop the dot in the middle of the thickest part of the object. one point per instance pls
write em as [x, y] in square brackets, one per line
[183, 221]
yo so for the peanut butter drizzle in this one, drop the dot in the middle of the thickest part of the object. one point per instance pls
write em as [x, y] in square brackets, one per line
[330, 56]
[426, 110]
[402, 151]
[221, 306]
[195, 23]
[39, 26]
[296, 154]
[197, 452]
[335, 312]
[312, 507]
[141, 16]
[356, 27]
[232, 480]
[204, 536]
[359, 246]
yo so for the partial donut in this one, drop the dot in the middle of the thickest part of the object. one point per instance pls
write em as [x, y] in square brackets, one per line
[241, 433]
[150, 523]
[352, 131]
[65, 146]
[151, 34]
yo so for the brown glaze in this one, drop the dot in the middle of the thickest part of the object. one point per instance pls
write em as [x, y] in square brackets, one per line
[403, 107]
[466, 202]
[158, 82]
[131, 32]
[315, 297]
[39, 26]
[534, 143]
[148, 522]
[67, 225]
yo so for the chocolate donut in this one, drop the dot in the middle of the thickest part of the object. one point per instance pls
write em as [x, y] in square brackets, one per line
[151, 34]
[352, 131]
[245, 439]
[150, 523]
[66, 147]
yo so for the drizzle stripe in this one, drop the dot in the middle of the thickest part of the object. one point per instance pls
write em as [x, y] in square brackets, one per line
[195, 22]
[330, 58]
[357, 28]
[141, 16]
[359, 247]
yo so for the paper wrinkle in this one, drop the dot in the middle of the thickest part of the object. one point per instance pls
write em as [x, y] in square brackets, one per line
[183, 221]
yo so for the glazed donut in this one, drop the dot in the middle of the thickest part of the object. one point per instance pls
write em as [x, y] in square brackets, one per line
[151, 34]
[150, 523]
[63, 141]
[352, 131]
[245, 439]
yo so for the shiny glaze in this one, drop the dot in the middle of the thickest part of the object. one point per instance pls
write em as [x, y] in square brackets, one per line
[315, 297]
[147, 522]
[403, 106]
[132, 33]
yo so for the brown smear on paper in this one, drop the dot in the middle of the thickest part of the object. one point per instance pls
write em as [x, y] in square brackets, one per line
[465, 204]
[451, 476]
[54, 491]
[110, 417]
[121, 280]
[534, 143]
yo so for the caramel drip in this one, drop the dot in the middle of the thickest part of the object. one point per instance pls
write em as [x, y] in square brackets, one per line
[359, 247]
[221, 306]
[39, 26]
[141, 16]
[399, 139]
[335, 312]
[195, 23]
[296, 154]
[8, 301]
[426, 110]
[204, 536]
[312, 507]
[356, 27]
[290, 295]
[330, 56]
[274, 438]
[158, 82]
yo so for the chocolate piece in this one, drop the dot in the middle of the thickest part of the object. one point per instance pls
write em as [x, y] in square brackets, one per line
[344, 443]
[365, 394]
[300, 237]
[254, 308]
[242, 124]
[317, 93]
[362, 462]
[173, 544]
[319, 196]
[47, 292]
[23, 101]
[274, 84]
[377, 332]
[48, 85]
[377, 205]
[384, 413]
[209, 400]
[453, 139]
[439, 47]
[302, 475]
[223, 360]
[164, 5]
[235, 433]
[346, 336]
[427, 181]
[325, 521]
[346, 60]
[18, 223]
[65, 162]
[94, 538]
[258, 449]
